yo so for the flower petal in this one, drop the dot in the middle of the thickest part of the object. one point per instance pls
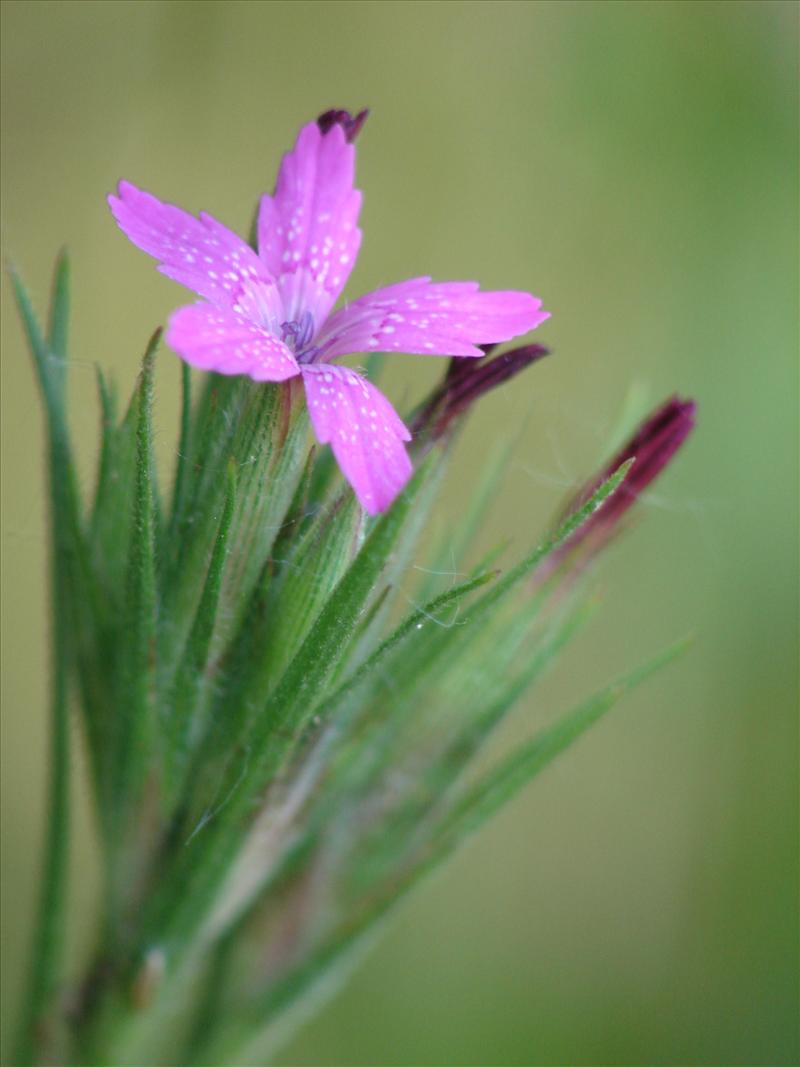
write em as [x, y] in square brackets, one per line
[364, 431]
[309, 225]
[200, 253]
[214, 338]
[430, 319]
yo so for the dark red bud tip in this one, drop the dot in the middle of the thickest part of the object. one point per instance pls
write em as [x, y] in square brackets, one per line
[479, 378]
[467, 380]
[652, 447]
[351, 124]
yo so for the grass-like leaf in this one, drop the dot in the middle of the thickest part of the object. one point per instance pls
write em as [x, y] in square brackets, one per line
[260, 431]
[58, 323]
[135, 723]
[67, 550]
[183, 457]
[185, 710]
[275, 733]
[110, 526]
[323, 773]
[48, 366]
[244, 1029]
[308, 576]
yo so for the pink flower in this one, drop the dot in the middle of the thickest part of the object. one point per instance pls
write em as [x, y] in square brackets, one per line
[269, 314]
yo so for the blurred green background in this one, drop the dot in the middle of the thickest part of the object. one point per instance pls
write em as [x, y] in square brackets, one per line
[635, 165]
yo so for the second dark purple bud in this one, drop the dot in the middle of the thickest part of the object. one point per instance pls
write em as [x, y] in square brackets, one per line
[652, 447]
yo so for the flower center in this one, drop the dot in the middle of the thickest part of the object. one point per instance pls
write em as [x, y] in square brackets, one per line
[297, 334]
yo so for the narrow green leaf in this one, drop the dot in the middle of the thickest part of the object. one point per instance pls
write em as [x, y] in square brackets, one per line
[215, 421]
[213, 425]
[72, 563]
[58, 326]
[309, 575]
[437, 647]
[48, 948]
[485, 799]
[242, 701]
[300, 513]
[323, 479]
[352, 707]
[184, 450]
[190, 888]
[490, 558]
[337, 714]
[481, 699]
[218, 408]
[108, 419]
[269, 450]
[291, 705]
[42, 356]
[110, 528]
[409, 627]
[185, 714]
[135, 691]
[262, 432]
[65, 545]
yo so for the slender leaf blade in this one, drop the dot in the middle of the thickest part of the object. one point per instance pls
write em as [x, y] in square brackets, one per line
[65, 537]
[135, 688]
[58, 325]
[191, 886]
[185, 711]
[306, 978]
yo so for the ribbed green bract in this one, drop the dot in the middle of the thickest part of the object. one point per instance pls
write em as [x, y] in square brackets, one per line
[288, 722]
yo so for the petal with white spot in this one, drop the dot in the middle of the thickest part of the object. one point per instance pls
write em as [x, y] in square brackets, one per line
[309, 227]
[214, 338]
[430, 319]
[364, 431]
[200, 253]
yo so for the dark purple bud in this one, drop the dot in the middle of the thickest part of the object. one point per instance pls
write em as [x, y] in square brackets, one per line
[467, 380]
[461, 367]
[351, 124]
[487, 375]
[652, 447]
